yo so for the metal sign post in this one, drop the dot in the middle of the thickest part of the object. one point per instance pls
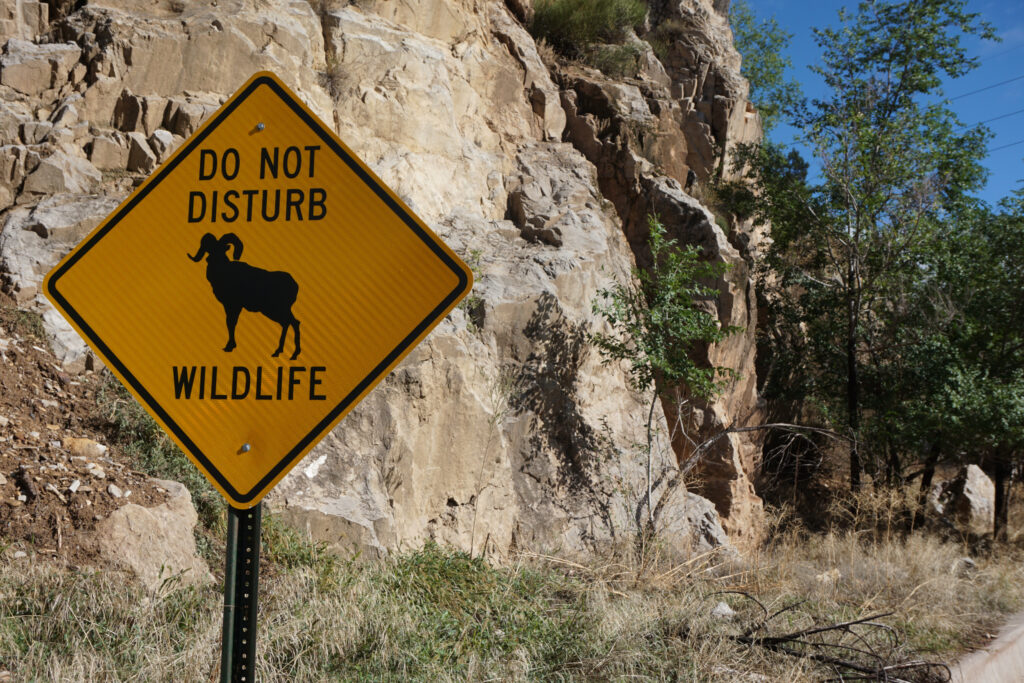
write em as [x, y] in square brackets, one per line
[241, 592]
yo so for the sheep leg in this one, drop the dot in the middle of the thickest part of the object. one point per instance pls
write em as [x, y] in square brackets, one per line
[232, 318]
[280, 343]
[295, 324]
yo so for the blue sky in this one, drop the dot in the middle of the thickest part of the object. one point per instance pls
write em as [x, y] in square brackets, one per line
[999, 62]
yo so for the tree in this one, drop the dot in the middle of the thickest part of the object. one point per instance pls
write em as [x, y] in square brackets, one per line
[657, 325]
[980, 270]
[763, 44]
[896, 166]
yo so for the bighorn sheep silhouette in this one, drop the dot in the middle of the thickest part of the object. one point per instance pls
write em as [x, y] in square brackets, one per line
[238, 285]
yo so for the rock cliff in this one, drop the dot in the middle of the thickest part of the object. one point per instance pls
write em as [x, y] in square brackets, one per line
[504, 430]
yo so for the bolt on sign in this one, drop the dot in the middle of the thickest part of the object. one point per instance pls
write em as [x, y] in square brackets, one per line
[256, 287]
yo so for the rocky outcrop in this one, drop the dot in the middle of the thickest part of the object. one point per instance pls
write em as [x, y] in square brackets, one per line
[505, 429]
[649, 138]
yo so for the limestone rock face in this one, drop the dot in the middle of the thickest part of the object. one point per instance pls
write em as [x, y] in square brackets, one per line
[155, 544]
[505, 429]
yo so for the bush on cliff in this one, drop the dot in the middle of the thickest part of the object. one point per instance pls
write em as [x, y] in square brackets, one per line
[570, 26]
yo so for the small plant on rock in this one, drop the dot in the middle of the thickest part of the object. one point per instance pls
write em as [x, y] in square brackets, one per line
[657, 325]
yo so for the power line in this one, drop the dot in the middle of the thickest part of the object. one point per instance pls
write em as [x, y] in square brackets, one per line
[987, 87]
[994, 118]
[996, 149]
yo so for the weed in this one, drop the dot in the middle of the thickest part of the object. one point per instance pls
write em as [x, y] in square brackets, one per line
[664, 36]
[26, 324]
[334, 77]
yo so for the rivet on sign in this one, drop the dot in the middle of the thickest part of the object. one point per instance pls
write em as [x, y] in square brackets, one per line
[245, 448]
[260, 126]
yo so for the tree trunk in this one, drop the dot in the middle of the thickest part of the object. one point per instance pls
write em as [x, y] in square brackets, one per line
[893, 467]
[926, 484]
[852, 386]
[1000, 529]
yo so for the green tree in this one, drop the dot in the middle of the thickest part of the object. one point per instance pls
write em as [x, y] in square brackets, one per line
[657, 325]
[763, 44]
[979, 320]
[896, 167]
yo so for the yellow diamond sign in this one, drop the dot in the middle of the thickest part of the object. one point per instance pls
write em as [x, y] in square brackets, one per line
[256, 287]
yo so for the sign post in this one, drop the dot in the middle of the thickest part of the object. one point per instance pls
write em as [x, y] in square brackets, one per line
[249, 294]
[241, 591]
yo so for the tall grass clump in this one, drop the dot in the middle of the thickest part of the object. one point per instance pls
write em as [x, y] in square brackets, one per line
[570, 26]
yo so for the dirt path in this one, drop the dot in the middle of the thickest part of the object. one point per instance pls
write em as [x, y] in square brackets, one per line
[1001, 662]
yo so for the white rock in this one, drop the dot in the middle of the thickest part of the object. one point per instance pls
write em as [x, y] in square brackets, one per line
[114, 490]
[85, 448]
[723, 611]
[968, 499]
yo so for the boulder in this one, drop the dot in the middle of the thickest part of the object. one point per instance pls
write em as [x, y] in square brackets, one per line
[108, 153]
[968, 500]
[32, 241]
[155, 544]
[141, 158]
[60, 173]
[34, 132]
[163, 143]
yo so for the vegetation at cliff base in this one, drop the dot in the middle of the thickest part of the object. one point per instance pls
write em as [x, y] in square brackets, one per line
[441, 615]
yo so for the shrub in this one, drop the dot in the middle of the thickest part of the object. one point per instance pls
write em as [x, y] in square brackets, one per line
[616, 61]
[572, 25]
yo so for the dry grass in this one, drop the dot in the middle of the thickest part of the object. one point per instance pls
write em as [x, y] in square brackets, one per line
[438, 615]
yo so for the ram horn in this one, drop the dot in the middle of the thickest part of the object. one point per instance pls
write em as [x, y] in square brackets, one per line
[205, 245]
[231, 239]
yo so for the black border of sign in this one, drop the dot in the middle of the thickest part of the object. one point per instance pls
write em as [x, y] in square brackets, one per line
[319, 430]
